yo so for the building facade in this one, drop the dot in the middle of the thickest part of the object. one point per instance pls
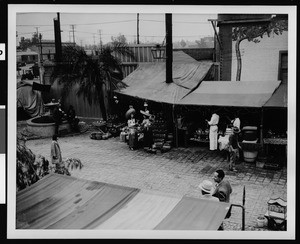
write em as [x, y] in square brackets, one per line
[265, 60]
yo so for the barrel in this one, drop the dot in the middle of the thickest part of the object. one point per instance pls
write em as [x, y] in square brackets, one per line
[250, 156]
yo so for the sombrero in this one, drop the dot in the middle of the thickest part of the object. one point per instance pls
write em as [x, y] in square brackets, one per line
[206, 186]
[146, 113]
[129, 112]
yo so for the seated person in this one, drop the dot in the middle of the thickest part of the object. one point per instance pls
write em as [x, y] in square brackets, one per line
[72, 119]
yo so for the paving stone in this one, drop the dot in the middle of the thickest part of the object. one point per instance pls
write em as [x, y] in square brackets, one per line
[177, 171]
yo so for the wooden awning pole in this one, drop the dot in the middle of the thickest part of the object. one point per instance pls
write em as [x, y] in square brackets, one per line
[261, 128]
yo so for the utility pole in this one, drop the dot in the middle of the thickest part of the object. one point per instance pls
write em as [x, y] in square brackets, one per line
[37, 32]
[73, 28]
[69, 36]
[57, 32]
[100, 39]
[169, 49]
[94, 41]
[138, 29]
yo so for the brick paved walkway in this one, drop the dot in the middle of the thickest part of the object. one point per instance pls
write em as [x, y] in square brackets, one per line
[178, 171]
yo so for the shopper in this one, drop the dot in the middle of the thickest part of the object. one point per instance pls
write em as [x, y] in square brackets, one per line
[213, 131]
[55, 151]
[233, 149]
[236, 122]
[133, 136]
[207, 188]
[72, 119]
[147, 129]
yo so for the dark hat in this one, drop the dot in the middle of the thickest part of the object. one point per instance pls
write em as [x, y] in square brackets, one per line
[129, 112]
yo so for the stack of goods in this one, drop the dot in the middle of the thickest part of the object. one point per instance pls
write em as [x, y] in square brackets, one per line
[124, 134]
[162, 140]
[100, 135]
[201, 135]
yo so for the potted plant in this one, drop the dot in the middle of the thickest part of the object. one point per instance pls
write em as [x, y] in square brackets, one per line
[261, 221]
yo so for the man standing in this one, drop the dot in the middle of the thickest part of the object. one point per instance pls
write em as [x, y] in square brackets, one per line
[213, 131]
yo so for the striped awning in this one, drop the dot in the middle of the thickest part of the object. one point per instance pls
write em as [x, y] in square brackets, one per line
[64, 202]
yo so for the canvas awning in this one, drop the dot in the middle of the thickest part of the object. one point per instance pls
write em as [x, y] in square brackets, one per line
[279, 97]
[64, 202]
[231, 93]
[148, 81]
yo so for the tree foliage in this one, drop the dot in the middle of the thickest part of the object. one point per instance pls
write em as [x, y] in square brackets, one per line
[182, 43]
[119, 39]
[92, 73]
[250, 32]
[29, 42]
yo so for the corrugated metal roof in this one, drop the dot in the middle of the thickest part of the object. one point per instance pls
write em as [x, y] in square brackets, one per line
[64, 202]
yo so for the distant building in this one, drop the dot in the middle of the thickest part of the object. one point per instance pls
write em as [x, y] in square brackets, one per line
[27, 56]
[47, 49]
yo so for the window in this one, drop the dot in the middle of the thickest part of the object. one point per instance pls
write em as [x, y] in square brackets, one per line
[283, 66]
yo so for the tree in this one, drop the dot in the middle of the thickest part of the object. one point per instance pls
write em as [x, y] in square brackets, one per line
[119, 39]
[252, 32]
[182, 43]
[27, 42]
[92, 73]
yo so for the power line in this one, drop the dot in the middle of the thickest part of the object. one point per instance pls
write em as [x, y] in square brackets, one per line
[180, 22]
[111, 22]
[124, 21]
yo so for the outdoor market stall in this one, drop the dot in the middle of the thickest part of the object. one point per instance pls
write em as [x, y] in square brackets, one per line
[189, 88]
[64, 202]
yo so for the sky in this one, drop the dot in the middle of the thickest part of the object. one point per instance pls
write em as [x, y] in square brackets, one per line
[90, 27]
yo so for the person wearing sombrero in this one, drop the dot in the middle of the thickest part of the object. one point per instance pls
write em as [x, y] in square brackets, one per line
[147, 129]
[207, 189]
[233, 148]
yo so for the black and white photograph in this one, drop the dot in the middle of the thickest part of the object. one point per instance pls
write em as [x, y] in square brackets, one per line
[151, 122]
